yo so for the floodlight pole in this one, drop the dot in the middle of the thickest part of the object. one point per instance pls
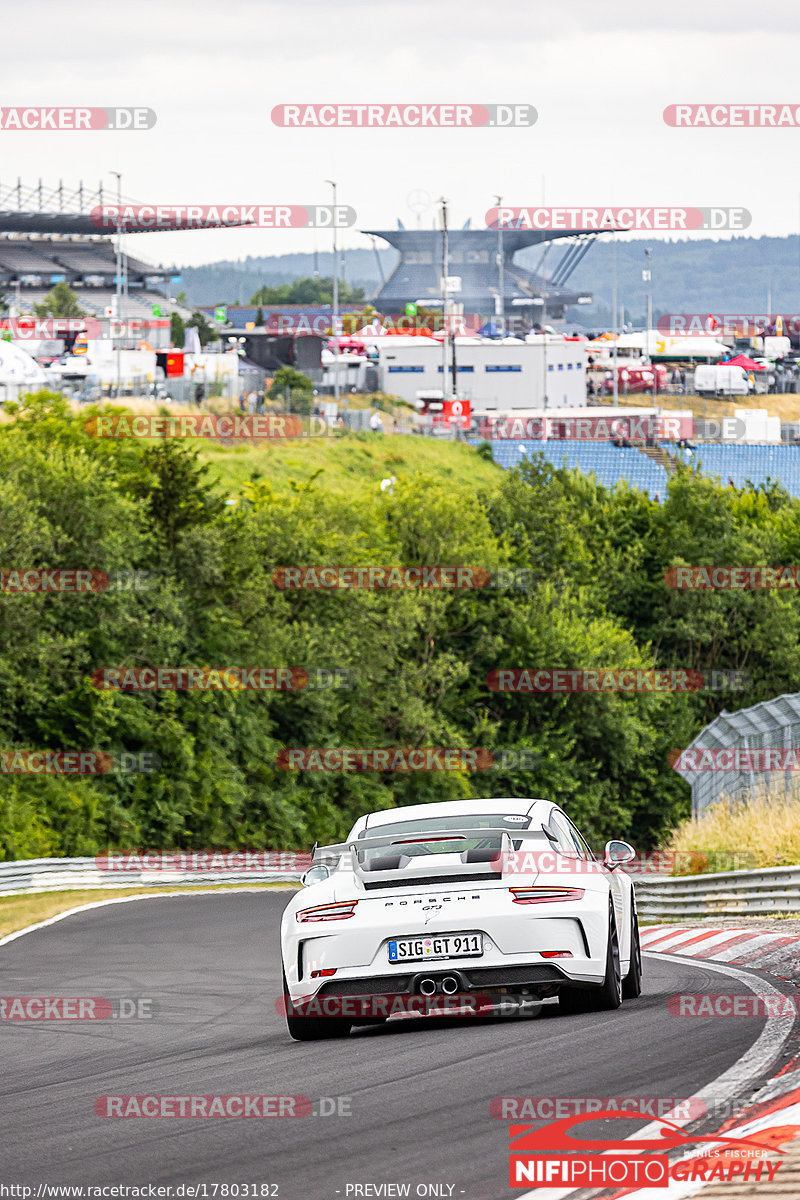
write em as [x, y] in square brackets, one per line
[335, 302]
[649, 281]
[544, 342]
[615, 327]
[445, 293]
[501, 307]
[119, 279]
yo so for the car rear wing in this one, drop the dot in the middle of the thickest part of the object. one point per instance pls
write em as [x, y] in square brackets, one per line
[395, 865]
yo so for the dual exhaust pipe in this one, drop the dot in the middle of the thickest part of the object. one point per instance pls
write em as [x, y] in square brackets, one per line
[448, 984]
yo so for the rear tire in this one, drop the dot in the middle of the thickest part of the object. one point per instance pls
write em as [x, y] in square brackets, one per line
[605, 998]
[312, 1029]
[632, 983]
[609, 996]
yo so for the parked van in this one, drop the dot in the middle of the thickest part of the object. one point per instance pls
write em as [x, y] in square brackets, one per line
[720, 381]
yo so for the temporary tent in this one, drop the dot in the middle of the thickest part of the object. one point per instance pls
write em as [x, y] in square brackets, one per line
[743, 361]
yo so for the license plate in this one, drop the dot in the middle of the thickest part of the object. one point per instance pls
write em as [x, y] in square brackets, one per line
[451, 945]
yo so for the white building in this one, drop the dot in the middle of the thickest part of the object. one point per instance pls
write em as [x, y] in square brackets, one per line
[494, 375]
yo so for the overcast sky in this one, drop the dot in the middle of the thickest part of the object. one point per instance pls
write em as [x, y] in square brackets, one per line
[599, 75]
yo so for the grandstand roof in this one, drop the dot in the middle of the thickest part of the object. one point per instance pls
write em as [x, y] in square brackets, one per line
[472, 257]
[25, 209]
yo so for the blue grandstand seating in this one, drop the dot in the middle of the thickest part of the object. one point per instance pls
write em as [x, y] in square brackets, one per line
[740, 463]
[755, 463]
[606, 462]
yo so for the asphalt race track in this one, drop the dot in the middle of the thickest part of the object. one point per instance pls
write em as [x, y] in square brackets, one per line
[419, 1090]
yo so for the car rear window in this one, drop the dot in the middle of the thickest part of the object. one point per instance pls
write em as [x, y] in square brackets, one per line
[511, 822]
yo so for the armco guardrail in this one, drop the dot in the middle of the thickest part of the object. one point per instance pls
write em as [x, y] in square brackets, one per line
[774, 889]
[72, 874]
[748, 893]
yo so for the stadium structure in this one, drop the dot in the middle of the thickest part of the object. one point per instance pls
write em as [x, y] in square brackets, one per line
[474, 271]
[47, 237]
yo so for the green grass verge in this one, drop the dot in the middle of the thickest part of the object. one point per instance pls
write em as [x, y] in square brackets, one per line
[354, 462]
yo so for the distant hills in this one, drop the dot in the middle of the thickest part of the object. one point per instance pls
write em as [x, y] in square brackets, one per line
[690, 275]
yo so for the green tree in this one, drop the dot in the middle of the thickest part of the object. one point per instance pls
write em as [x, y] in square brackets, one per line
[316, 290]
[259, 317]
[300, 387]
[418, 660]
[205, 330]
[287, 377]
[60, 301]
[177, 330]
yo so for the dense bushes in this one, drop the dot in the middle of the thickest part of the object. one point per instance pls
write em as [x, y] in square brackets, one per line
[418, 660]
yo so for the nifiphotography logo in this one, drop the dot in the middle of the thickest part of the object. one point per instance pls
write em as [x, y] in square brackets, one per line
[553, 1156]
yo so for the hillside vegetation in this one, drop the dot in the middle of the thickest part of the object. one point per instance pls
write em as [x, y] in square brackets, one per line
[417, 660]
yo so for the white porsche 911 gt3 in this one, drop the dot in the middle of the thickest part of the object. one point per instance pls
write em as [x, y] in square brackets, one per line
[473, 898]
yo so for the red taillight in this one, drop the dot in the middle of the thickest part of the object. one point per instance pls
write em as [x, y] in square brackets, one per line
[328, 912]
[544, 895]
[556, 953]
[322, 974]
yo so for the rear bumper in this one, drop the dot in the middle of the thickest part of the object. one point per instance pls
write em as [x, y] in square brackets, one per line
[518, 942]
[470, 979]
[494, 970]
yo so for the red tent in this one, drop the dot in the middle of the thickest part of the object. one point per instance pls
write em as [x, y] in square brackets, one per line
[743, 361]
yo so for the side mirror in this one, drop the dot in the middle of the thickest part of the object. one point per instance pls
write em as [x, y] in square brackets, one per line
[616, 854]
[314, 874]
